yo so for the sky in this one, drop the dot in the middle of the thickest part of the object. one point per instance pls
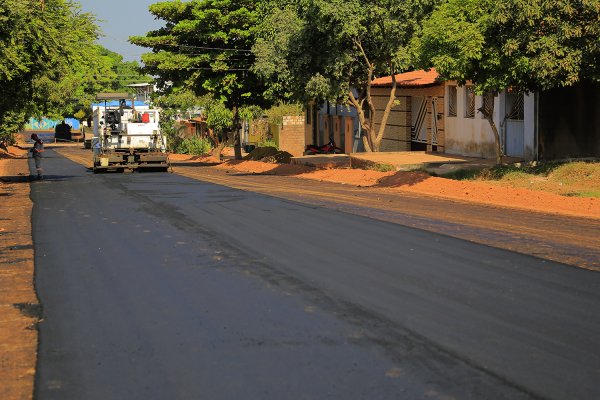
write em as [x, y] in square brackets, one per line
[119, 19]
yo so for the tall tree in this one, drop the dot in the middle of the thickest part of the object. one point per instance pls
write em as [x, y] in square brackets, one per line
[42, 50]
[327, 48]
[524, 45]
[205, 46]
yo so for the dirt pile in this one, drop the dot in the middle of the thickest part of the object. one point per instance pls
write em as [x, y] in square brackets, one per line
[269, 155]
[12, 152]
[206, 159]
[260, 167]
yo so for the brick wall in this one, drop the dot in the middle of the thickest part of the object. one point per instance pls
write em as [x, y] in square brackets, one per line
[292, 135]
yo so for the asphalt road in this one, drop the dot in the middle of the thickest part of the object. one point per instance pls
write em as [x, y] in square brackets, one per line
[157, 286]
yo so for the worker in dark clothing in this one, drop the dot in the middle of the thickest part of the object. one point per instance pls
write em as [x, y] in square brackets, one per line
[36, 152]
[62, 131]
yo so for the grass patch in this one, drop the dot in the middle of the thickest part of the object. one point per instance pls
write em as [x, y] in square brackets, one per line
[383, 167]
[576, 178]
[358, 163]
[578, 172]
[584, 193]
[506, 172]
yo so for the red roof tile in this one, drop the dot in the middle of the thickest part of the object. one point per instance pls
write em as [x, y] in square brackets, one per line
[410, 79]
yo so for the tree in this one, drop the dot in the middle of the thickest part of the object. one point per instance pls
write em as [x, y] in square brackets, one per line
[205, 47]
[323, 49]
[524, 45]
[42, 50]
[122, 73]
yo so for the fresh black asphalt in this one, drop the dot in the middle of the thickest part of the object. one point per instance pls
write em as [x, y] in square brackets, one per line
[156, 286]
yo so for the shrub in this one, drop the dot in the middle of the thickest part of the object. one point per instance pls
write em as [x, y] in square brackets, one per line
[268, 143]
[194, 146]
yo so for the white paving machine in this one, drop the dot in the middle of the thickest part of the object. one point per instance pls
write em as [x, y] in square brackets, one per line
[127, 137]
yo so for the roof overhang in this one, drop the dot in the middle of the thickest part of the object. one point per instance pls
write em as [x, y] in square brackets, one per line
[410, 80]
[113, 96]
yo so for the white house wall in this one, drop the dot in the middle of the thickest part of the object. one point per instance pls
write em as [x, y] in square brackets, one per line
[469, 136]
[474, 137]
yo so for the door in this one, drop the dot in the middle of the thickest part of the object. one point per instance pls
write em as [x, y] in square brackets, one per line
[418, 115]
[515, 127]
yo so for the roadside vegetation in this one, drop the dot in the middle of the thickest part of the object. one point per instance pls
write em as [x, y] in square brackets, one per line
[50, 64]
[577, 178]
[237, 59]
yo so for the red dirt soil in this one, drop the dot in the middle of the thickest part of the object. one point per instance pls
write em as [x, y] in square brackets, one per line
[420, 182]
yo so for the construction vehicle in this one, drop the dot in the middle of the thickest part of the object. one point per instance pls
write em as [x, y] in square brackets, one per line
[127, 136]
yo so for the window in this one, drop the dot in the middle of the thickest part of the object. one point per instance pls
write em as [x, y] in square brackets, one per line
[469, 102]
[515, 106]
[488, 103]
[452, 101]
[308, 114]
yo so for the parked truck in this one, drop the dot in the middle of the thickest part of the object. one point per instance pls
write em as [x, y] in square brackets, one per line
[127, 137]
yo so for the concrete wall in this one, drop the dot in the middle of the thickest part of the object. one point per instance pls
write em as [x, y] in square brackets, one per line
[474, 137]
[292, 135]
[469, 136]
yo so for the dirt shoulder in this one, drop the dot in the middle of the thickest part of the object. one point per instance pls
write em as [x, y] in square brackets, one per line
[423, 183]
[19, 308]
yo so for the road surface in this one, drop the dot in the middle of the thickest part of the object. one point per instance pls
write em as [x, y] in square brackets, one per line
[158, 286]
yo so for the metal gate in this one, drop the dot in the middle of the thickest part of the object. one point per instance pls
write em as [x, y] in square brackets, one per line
[418, 132]
[514, 125]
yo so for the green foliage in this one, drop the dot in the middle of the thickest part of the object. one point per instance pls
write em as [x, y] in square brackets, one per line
[194, 145]
[49, 63]
[219, 117]
[175, 105]
[383, 167]
[274, 47]
[332, 50]
[270, 143]
[250, 113]
[121, 73]
[41, 49]
[527, 45]
[276, 113]
[322, 48]
[205, 47]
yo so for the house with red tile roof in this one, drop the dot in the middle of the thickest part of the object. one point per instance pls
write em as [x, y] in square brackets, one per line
[436, 115]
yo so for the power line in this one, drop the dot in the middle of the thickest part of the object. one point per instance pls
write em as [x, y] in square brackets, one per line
[217, 70]
[204, 47]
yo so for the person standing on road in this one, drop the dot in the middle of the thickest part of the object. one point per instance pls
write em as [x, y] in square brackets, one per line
[36, 152]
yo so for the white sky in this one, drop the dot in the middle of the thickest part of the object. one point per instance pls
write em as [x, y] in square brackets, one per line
[120, 19]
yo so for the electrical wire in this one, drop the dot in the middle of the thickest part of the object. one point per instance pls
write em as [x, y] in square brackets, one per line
[204, 47]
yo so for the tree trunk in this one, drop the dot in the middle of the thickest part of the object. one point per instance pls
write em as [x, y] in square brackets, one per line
[386, 114]
[488, 114]
[366, 143]
[216, 153]
[366, 126]
[237, 145]
[496, 140]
